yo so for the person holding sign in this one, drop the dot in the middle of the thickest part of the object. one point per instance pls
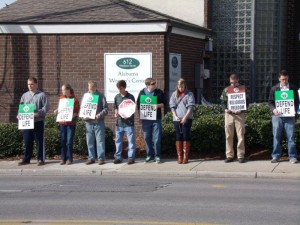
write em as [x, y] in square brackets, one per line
[93, 110]
[149, 103]
[233, 101]
[124, 105]
[181, 103]
[67, 114]
[284, 103]
[41, 106]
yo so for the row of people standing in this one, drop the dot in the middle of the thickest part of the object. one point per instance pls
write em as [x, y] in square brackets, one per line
[181, 104]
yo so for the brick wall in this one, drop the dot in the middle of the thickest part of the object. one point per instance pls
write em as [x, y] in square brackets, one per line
[191, 53]
[58, 59]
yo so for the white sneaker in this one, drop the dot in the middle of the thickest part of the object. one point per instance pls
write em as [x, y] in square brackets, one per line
[293, 160]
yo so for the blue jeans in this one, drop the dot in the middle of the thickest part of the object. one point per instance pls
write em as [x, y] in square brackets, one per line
[37, 135]
[67, 133]
[288, 124]
[95, 139]
[120, 131]
[152, 134]
[183, 131]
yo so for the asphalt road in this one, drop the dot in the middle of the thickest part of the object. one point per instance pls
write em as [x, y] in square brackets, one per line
[144, 200]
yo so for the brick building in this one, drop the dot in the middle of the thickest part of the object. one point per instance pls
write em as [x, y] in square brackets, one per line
[65, 42]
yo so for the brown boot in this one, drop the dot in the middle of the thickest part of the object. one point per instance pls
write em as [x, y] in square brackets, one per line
[186, 151]
[179, 149]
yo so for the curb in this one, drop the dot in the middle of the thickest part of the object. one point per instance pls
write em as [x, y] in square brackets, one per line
[114, 172]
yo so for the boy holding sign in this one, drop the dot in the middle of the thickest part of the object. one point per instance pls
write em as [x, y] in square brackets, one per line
[67, 114]
[39, 100]
[149, 103]
[284, 103]
[93, 110]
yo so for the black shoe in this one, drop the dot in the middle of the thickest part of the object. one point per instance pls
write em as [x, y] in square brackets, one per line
[228, 160]
[62, 162]
[242, 160]
[130, 161]
[117, 161]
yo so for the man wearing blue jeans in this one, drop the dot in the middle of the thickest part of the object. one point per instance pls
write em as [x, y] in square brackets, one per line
[279, 122]
[95, 128]
[124, 125]
[41, 107]
[152, 128]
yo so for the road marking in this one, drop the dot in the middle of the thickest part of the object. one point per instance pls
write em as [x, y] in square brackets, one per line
[10, 191]
[107, 222]
[218, 186]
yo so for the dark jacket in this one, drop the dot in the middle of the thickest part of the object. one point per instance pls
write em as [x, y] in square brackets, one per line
[160, 99]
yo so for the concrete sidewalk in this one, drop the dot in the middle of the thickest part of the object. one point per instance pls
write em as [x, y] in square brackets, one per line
[168, 167]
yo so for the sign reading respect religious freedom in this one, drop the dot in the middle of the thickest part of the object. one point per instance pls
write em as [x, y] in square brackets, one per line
[89, 106]
[148, 107]
[65, 110]
[126, 108]
[284, 103]
[134, 68]
[26, 116]
[237, 98]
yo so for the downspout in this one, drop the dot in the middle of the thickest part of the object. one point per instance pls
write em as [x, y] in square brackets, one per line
[166, 69]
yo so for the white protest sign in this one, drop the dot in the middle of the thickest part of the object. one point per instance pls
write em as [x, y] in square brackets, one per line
[237, 98]
[65, 110]
[26, 116]
[284, 103]
[126, 108]
[89, 106]
[148, 107]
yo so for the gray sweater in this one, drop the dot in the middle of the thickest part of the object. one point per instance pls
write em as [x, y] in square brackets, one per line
[40, 101]
[182, 106]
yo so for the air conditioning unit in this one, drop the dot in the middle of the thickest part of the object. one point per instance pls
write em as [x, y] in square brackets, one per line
[206, 74]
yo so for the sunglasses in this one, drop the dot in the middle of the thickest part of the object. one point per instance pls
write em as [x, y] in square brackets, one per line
[153, 83]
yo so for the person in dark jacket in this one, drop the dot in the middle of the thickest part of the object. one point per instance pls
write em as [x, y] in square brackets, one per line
[152, 126]
[281, 119]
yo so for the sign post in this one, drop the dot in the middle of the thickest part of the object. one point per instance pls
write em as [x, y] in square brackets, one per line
[26, 116]
[148, 107]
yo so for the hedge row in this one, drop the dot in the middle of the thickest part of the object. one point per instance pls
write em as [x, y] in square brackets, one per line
[11, 139]
[207, 134]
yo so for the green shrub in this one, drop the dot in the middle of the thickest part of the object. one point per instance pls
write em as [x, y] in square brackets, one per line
[11, 140]
[52, 141]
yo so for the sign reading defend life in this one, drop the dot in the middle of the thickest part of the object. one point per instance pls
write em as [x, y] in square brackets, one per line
[284, 103]
[89, 106]
[65, 110]
[26, 116]
[126, 108]
[237, 98]
[148, 107]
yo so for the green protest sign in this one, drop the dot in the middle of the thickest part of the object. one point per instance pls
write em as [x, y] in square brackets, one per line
[89, 106]
[148, 107]
[65, 110]
[26, 116]
[284, 103]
